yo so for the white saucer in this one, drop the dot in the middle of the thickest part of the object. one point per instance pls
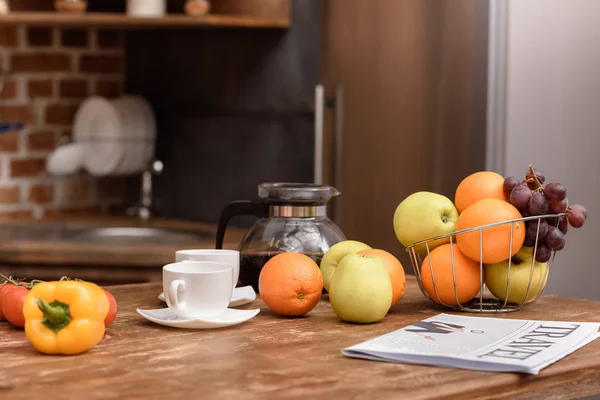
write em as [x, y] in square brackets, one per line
[241, 295]
[165, 316]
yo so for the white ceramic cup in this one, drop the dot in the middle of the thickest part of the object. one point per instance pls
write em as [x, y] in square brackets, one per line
[231, 257]
[198, 289]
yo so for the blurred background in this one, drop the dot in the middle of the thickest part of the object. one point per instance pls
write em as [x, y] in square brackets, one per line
[379, 99]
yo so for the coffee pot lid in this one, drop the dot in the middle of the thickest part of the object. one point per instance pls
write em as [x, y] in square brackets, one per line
[296, 193]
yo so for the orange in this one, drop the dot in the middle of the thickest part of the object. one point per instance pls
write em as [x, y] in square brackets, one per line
[477, 186]
[290, 284]
[395, 270]
[465, 270]
[496, 240]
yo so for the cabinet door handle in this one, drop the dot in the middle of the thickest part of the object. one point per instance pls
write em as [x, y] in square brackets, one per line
[338, 132]
[337, 105]
[319, 118]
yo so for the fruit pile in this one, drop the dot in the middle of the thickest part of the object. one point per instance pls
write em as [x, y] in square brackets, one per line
[44, 309]
[534, 198]
[528, 220]
[363, 283]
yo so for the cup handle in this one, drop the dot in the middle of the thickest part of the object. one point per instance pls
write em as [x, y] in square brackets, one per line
[173, 288]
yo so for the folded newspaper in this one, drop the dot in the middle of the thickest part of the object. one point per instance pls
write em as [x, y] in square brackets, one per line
[479, 343]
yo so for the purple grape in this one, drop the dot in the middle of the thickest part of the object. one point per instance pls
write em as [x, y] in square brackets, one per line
[562, 246]
[558, 207]
[555, 191]
[580, 208]
[542, 253]
[576, 218]
[543, 226]
[563, 225]
[531, 181]
[538, 173]
[520, 196]
[529, 240]
[509, 184]
[554, 238]
[538, 205]
[552, 221]
[532, 229]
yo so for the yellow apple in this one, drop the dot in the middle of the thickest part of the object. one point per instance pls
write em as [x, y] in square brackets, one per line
[496, 276]
[361, 289]
[332, 257]
[424, 215]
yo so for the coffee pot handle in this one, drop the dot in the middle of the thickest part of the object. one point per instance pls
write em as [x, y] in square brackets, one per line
[236, 208]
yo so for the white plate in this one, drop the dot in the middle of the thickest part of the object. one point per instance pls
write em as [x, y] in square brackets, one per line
[165, 316]
[138, 115]
[241, 295]
[65, 160]
[98, 127]
[132, 130]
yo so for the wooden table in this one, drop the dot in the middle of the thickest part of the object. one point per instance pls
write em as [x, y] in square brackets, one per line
[280, 358]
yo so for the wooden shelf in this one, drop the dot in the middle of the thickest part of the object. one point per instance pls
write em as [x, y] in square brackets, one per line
[123, 21]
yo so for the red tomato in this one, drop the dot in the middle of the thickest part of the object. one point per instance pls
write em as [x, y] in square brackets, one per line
[13, 305]
[4, 289]
[112, 309]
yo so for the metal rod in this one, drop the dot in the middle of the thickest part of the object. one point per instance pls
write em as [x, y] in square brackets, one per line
[537, 237]
[546, 274]
[339, 150]
[454, 273]
[480, 269]
[446, 235]
[509, 265]
[108, 139]
[319, 116]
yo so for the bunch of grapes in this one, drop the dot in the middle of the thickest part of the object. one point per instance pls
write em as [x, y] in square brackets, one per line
[532, 198]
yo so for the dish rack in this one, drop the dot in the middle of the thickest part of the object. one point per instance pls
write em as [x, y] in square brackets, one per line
[64, 140]
[152, 168]
[111, 137]
[484, 301]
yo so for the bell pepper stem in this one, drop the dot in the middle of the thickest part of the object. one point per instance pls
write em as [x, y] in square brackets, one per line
[56, 314]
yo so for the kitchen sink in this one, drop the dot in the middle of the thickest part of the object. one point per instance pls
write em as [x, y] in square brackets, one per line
[134, 235]
[117, 235]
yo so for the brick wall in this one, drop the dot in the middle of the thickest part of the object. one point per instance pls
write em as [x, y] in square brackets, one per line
[52, 71]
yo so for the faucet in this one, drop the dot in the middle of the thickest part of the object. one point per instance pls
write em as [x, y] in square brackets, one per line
[144, 210]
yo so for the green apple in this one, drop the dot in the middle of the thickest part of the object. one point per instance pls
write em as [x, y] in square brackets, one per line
[496, 276]
[424, 215]
[332, 257]
[361, 289]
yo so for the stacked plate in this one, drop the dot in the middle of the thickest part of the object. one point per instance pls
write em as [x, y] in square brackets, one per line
[110, 137]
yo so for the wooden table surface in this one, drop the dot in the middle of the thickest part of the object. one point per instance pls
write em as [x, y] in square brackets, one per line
[279, 358]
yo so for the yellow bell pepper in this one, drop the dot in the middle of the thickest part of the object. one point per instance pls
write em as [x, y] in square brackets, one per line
[65, 317]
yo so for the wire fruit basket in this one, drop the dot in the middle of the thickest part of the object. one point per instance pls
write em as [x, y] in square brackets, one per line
[484, 301]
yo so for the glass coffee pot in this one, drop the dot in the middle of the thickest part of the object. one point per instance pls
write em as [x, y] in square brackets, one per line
[292, 218]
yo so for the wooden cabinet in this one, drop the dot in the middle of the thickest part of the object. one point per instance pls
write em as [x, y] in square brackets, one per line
[272, 14]
[413, 79]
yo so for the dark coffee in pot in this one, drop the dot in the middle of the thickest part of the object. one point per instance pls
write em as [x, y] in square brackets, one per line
[252, 264]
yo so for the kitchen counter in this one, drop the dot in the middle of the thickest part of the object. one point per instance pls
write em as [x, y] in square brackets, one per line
[280, 358]
[41, 248]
